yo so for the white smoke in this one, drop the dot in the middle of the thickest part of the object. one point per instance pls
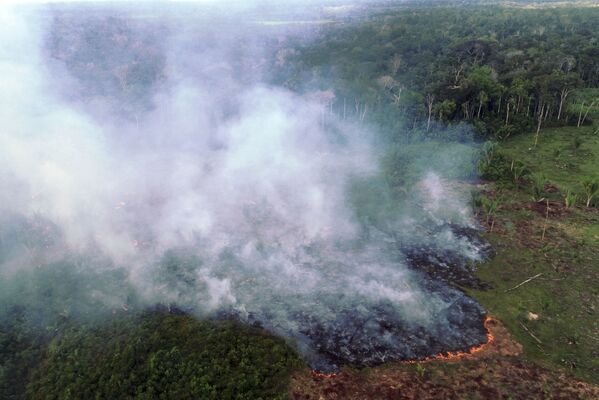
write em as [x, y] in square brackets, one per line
[244, 181]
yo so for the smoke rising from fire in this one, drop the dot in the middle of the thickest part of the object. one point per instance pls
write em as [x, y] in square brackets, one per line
[224, 196]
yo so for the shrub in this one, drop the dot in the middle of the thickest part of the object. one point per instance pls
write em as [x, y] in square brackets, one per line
[570, 199]
[538, 181]
[591, 189]
[518, 169]
[490, 207]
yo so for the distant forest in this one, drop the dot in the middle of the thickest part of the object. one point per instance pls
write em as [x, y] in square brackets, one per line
[502, 70]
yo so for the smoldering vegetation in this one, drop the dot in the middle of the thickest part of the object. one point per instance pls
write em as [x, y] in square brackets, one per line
[149, 161]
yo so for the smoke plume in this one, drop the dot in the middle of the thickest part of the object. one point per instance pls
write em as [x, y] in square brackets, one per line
[151, 163]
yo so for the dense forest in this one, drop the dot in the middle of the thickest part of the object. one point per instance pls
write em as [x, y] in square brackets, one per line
[501, 70]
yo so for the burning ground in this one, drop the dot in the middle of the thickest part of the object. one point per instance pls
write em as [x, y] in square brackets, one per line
[496, 372]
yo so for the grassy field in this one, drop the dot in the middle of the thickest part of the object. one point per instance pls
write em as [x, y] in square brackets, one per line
[555, 315]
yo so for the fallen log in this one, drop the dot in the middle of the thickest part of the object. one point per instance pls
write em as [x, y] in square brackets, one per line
[530, 333]
[524, 282]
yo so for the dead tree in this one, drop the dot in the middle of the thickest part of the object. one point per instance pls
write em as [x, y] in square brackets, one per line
[430, 101]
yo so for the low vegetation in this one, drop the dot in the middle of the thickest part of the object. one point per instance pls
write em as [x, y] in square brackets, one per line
[553, 238]
[163, 356]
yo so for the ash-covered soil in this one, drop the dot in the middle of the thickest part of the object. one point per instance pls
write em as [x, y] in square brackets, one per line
[372, 334]
[449, 266]
[333, 329]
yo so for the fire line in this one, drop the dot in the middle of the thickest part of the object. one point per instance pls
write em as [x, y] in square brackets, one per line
[448, 356]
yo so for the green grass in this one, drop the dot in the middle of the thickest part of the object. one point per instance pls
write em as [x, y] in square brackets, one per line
[566, 296]
[557, 156]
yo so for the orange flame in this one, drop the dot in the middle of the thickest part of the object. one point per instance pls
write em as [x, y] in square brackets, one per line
[458, 355]
[448, 356]
[321, 375]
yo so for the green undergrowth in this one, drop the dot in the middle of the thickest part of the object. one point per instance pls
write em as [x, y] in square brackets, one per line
[555, 315]
[565, 155]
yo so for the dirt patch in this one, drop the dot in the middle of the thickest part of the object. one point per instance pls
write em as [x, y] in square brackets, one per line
[551, 188]
[553, 209]
[498, 378]
[557, 209]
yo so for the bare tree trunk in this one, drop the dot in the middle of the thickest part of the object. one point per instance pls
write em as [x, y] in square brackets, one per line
[539, 126]
[562, 97]
[456, 77]
[587, 113]
[499, 107]
[397, 97]
[364, 112]
[528, 108]
[546, 219]
[507, 114]
[430, 100]
[580, 115]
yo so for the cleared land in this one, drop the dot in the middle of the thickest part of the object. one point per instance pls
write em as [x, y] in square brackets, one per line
[547, 340]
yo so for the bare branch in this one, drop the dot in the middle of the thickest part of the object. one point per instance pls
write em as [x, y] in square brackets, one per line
[526, 281]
